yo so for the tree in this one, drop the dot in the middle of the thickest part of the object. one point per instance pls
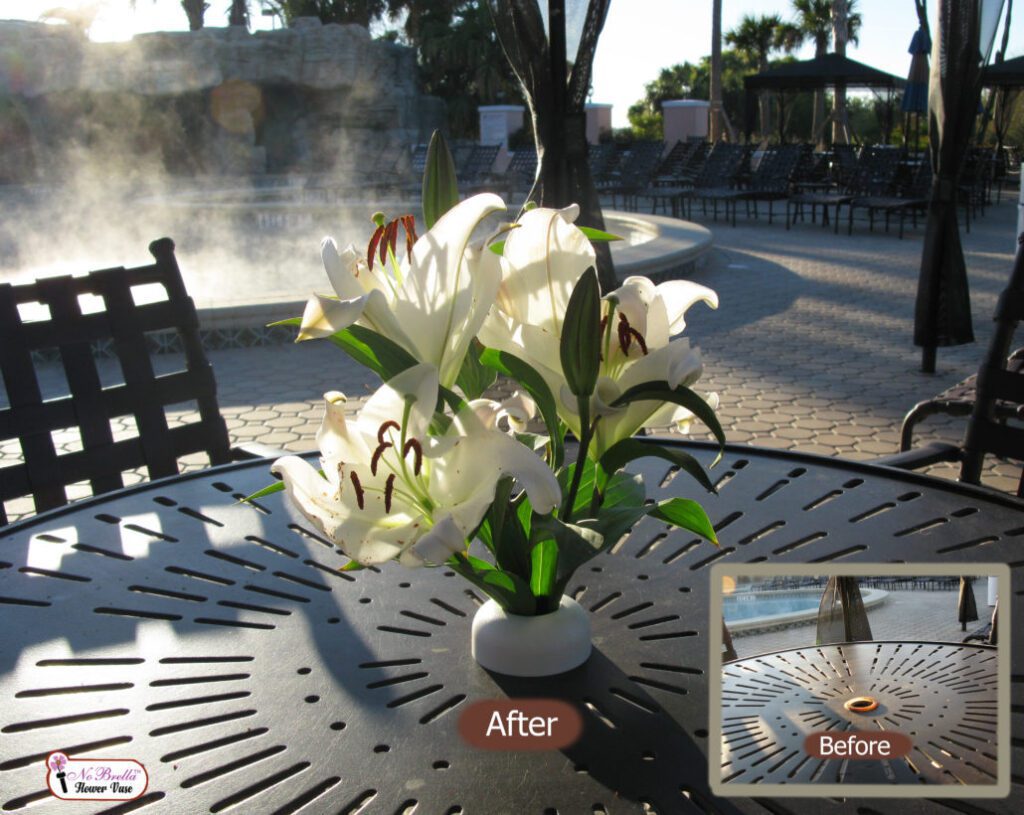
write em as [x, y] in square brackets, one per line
[691, 81]
[238, 14]
[715, 124]
[460, 58]
[758, 37]
[556, 96]
[361, 12]
[194, 10]
[814, 23]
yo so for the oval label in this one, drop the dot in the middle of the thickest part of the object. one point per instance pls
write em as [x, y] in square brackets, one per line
[858, 745]
[520, 724]
[95, 779]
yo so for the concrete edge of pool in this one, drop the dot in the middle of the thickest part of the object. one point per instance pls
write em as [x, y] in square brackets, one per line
[673, 248]
[756, 625]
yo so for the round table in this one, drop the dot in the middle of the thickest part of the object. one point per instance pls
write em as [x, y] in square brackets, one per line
[216, 643]
[942, 695]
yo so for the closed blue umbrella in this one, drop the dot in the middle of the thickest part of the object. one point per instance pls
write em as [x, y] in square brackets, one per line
[915, 94]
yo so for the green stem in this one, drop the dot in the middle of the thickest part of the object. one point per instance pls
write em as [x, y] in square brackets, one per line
[581, 456]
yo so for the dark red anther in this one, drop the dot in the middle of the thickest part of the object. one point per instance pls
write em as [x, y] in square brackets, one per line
[384, 429]
[625, 338]
[639, 340]
[358, 487]
[415, 446]
[371, 251]
[409, 224]
[389, 491]
[384, 445]
[390, 240]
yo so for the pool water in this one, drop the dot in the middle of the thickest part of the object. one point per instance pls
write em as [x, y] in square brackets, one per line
[748, 607]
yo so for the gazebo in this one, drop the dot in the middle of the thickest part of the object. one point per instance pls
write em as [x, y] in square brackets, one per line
[815, 74]
[1006, 74]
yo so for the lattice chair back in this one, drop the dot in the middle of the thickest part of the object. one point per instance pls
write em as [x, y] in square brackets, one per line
[999, 382]
[51, 458]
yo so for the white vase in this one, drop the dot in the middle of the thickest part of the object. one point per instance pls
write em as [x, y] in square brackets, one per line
[531, 646]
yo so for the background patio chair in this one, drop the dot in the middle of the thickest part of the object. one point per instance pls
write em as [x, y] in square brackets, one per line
[71, 334]
[996, 424]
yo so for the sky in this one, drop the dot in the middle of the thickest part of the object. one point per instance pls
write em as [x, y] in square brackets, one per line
[640, 37]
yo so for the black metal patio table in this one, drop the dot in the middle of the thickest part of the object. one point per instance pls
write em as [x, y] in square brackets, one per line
[216, 643]
[942, 695]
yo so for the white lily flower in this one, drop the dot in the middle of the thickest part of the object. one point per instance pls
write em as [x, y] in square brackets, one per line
[432, 303]
[542, 262]
[389, 490]
[512, 415]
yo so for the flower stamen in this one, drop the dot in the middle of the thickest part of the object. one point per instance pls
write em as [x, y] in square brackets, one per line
[359, 489]
[390, 423]
[389, 491]
[417, 448]
[372, 248]
[375, 460]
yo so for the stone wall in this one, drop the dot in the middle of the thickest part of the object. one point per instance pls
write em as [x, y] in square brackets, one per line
[310, 98]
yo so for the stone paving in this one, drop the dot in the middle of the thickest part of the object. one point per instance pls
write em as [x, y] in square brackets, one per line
[907, 616]
[811, 348]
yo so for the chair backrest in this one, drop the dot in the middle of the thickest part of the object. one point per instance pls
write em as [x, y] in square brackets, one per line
[721, 165]
[776, 168]
[479, 163]
[876, 171]
[1000, 384]
[73, 330]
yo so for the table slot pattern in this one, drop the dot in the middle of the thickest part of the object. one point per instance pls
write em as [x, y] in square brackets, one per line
[942, 695]
[244, 638]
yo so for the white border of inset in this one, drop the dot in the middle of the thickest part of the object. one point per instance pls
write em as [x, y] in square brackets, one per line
[733, 790]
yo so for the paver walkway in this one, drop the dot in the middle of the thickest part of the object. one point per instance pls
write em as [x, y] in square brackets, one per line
[811, 348]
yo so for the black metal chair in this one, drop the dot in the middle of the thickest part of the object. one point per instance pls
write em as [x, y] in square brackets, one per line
[996, 424]
[72, 334]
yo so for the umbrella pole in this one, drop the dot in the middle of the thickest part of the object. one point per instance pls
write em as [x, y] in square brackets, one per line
[928, 359]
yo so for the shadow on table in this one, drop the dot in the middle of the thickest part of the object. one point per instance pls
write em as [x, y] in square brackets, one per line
[630, 744]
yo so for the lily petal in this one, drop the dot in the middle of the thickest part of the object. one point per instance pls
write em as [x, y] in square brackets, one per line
[324, 316]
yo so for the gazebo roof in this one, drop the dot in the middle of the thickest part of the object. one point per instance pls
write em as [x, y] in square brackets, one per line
[821, 72]
[1008, 74]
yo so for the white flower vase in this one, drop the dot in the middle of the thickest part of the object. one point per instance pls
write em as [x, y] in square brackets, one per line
[531, 646]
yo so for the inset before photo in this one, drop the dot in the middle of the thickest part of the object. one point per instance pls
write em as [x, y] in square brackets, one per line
[887, 680]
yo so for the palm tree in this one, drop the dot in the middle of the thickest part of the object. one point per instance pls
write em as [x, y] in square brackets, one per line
[814, 23]
[757, 37]
[238, 14]
[194, 10]
[845, 28]
[716, 71]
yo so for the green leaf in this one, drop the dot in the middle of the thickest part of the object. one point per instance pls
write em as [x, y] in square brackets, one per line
[352, 566]
[498, 247]
[383, 356]
[585, 490]
[580, 347]
[612, 524]
[508, 540]
[575, 546]
[527, 376]
[626, 450]
[544, 561]
[597, 234]
[277, 486]
[509, 591]
[685, 514]
[659, 391]
[624, 489]
[289, 321]
[440, 187]
[474, 377]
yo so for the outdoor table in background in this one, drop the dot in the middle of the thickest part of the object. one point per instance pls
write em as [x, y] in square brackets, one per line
[942, 695]
[216, 643]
